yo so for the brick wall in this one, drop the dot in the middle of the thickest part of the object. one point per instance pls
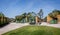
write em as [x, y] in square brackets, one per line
[58, 17]
[49, 19]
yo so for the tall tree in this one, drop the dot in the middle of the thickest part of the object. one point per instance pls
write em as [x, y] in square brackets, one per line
[40, 13]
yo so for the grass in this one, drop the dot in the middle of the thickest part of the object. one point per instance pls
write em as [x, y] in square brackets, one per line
[34, 30]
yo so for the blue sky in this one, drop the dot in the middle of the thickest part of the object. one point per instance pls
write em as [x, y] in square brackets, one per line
[11, 8]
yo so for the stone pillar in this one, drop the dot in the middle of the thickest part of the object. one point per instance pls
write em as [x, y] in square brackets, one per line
[36, 18]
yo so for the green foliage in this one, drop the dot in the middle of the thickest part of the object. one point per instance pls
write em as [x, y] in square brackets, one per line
[40, 13]
[54, 13]
[1, 14]
[25, 16]
[34, 30]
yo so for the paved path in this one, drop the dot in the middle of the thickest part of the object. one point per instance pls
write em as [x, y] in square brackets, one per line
[11, 26]
[53, 25]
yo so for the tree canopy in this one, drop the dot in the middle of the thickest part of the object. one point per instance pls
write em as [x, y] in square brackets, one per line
[1, 14]
[54, 13]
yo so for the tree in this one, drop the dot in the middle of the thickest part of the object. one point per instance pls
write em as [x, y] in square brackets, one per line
[1, 14]
[32, 16]
[40, 14]
[54, 13]
[27, 17]
[19, 18]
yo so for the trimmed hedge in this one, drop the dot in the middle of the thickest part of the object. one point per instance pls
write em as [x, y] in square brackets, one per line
[3, 21]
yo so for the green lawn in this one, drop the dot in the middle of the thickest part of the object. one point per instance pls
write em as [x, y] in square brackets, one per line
[35, 30]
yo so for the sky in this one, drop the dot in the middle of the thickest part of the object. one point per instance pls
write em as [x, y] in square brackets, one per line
[12, 8]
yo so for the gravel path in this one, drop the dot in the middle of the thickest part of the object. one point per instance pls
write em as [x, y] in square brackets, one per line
[52, 25]
[11, 26]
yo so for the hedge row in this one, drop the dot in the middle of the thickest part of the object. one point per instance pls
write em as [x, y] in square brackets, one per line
[4, 21]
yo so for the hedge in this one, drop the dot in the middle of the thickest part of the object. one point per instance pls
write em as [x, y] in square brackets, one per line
[3, 21]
